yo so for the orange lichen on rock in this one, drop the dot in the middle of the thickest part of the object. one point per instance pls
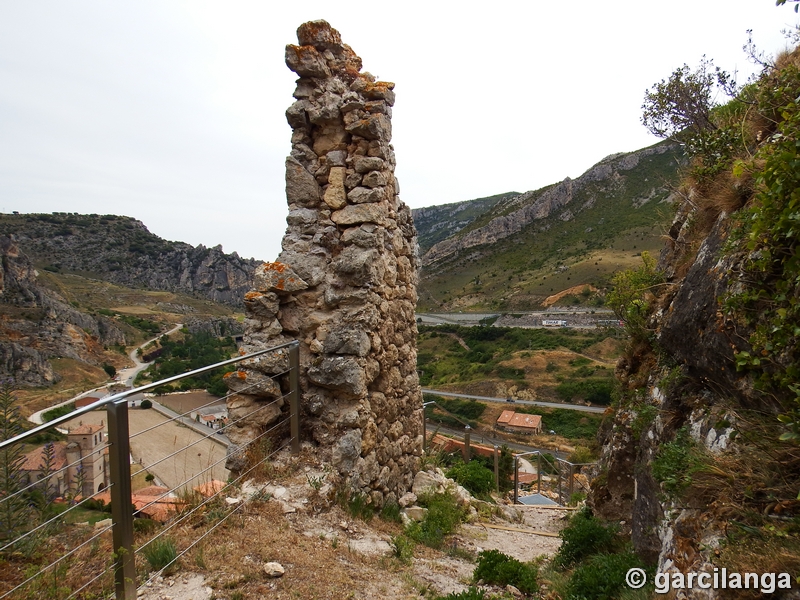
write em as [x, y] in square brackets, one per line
[252, 295]
[239, 374]
[276, 266]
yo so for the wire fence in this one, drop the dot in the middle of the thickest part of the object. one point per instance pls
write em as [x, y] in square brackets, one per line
[95, 514]
[553, 478]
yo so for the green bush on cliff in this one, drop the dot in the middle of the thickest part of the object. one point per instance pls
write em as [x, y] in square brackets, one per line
[767, 302]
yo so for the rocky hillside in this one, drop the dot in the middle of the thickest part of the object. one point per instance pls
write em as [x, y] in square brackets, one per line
[36, 324]
[513, 250]
[701, 458]
[123, 251]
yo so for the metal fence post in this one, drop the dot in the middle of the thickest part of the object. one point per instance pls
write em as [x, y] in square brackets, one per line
[496, 470]
[424, 431]
[294, 395]
[571, 481]
[467, 452]
[516, 479]
[539, 473]
[121, 512]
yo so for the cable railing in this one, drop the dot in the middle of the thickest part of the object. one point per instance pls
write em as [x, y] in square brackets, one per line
[46, 491]
[558, 478]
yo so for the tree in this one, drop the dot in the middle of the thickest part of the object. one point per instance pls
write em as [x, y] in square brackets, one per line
[14, 509]
[48, 470]
[680, 107]
[630, 294]
[110, 370]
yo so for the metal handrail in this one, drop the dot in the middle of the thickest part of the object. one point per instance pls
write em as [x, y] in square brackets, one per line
[122, 395]
[119, 453]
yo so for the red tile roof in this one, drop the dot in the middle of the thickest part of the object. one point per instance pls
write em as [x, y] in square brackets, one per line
[86, 430]
[526, 421]
[35, 458]
[505, 417]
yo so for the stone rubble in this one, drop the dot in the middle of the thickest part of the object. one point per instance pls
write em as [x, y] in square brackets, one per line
[344, 284]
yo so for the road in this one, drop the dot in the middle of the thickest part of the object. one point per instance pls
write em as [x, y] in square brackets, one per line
[578, 407]
[125, 376]
[478, 437]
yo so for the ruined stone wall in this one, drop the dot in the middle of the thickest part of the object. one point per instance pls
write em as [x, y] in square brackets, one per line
[345, 283]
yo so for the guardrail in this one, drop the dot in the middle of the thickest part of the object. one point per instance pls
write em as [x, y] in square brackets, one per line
[33, 524]
[565, 473]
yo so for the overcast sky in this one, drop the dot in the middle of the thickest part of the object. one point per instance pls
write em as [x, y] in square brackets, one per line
[173, 112]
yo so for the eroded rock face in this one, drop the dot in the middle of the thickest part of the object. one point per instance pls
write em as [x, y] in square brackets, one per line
[39, 324]
[345, 283]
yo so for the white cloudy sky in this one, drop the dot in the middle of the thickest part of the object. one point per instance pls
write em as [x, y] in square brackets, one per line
[173, 112]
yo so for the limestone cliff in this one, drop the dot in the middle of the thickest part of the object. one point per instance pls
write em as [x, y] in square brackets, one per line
[511, 214]
[37, 324]
[123, 251]
[701, 460]
[345, 283]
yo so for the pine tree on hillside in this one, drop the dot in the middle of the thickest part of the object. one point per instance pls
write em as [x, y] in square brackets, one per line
[14, 510]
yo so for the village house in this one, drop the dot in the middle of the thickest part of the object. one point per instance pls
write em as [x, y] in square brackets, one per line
[515, 422]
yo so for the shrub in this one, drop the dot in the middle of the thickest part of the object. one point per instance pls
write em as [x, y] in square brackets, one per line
[145, 526]
[676, 462]
[474, 477]
[443, 516]
[601, 577]
[146, 403]
[160, 553]
[583, 536]
[391, 512]
[403, 548]
[471, 593]
[500, 569]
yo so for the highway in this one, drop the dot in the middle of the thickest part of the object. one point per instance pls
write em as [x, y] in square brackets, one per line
[579, 407]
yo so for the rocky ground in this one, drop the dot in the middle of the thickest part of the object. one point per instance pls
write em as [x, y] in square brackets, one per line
[324, 552]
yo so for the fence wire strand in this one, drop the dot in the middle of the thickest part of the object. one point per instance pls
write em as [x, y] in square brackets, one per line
[218, 523]
[185, 516]
[211, 435]
[57, 561]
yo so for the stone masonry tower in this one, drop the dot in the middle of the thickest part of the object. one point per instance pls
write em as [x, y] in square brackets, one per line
[345, 283]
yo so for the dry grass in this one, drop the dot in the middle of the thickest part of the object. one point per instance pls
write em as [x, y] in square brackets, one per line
[76, 377]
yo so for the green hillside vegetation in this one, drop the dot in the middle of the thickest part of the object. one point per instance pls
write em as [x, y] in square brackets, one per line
[518, 272]
[191, 352]
[579, 427]
[507, 354]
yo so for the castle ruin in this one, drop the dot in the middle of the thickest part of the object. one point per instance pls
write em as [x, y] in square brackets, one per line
[344, 285]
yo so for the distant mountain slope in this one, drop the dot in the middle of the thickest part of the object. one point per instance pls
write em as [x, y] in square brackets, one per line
[437, 223]
[123, 251]
[513, 250]
[38, 324]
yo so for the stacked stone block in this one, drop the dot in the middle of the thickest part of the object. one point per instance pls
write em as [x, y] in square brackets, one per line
[344, 284]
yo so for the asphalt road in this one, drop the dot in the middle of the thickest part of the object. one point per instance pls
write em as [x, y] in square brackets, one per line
[477, 437]
[579, 407]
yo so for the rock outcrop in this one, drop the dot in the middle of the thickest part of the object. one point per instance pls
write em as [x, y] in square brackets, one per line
[37, 324]
[123, 251]
[701, 462]
[519, 211]
[345, 283]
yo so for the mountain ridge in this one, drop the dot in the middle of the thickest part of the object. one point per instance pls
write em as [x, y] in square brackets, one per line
[122, 250]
